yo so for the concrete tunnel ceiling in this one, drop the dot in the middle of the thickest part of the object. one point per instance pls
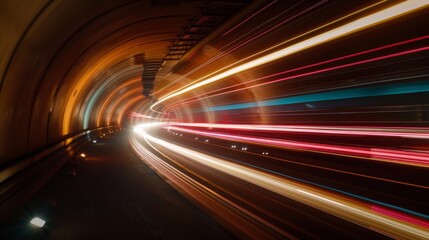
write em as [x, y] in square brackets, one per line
[68, 66]
[74, 65]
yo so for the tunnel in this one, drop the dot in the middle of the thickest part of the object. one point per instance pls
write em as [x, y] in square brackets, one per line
[209, 119]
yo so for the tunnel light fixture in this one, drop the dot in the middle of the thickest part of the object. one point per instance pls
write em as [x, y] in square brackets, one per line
[206, 140]
[371, 20]
[38, 222]
[95, 141]
[83, 155]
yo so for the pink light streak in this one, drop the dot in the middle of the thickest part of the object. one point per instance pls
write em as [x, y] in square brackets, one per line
[247, 19]
[224, 53]
[418, 133]
[273, 27]
[400, 216]
[222, 90]
[396, 156]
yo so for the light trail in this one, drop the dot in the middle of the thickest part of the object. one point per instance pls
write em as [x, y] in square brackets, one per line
[270, 48]
[394, 156]
[237, 46]
[212, 201]
[354, 26]
[349, 93]
[139, 115]
[111, 98]
[392, 223]
[365, 199]
[418, 133]
[114, 106]
[250, 17]
[223, 90]
[398, 215]
[401, 209]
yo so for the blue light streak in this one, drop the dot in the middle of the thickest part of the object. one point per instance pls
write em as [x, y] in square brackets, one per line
[372, 91]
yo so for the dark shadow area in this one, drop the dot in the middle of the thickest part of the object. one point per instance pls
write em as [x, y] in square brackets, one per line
[111, 194]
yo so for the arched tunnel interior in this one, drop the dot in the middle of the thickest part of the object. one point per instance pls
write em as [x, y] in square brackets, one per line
[273, 119]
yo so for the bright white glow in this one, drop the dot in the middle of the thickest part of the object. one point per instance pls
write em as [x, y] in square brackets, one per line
[38, 222]
[94, 141]
[140, 129]
[354, 26]
[83, 155]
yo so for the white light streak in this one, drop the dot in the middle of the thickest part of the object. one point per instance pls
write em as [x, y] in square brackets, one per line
[354, 26]
[331, 203]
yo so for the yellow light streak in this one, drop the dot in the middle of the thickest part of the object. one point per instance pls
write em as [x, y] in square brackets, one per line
[268, 49]
[349, 28]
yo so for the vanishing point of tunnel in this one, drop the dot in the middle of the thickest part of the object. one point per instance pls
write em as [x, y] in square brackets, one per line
[210, 119]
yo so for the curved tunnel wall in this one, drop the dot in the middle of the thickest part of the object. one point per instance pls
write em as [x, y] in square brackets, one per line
[65, 58]
[68, 73]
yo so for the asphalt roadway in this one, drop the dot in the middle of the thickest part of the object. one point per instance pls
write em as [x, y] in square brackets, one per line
[111, 194]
